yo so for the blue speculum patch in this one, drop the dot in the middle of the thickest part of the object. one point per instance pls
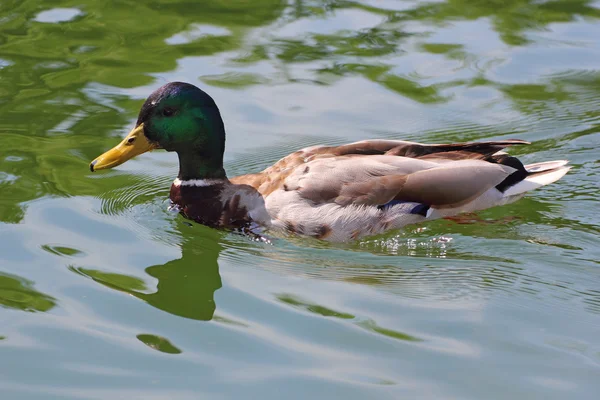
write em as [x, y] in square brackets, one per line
[420, 209]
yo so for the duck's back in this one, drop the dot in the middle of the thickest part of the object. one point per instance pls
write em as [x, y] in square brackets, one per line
[364, 188]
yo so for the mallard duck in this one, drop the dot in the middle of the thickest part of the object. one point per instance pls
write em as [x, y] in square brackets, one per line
[333, 193]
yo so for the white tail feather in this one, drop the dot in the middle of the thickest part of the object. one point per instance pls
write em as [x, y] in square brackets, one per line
[545, 165]
[540, 179]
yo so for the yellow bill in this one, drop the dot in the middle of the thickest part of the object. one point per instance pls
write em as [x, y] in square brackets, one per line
[133, 145]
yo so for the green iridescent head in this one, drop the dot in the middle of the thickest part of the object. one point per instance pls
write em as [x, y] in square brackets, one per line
[176, 117]
[179, 115]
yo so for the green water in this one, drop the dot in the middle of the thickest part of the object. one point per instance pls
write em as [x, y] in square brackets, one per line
[105, 294]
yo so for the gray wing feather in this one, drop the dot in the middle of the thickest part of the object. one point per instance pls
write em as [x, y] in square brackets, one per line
[376, 180]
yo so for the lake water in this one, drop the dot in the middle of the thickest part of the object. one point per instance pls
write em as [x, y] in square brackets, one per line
[105, 294]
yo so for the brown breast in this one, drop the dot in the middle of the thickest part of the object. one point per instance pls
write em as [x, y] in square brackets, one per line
[208, 206]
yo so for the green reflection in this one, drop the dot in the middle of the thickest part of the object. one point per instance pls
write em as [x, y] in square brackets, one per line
[373, 327]
[186, 286]
[62, 250]
[368, 324]
[313, 308]
[158, 343]
[511, 19]
[18, 293]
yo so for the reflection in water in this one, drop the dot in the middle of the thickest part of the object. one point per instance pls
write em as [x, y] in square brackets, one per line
[158, 343]
[367, 324]
[18, 293]
[186, 286]
[313, 308]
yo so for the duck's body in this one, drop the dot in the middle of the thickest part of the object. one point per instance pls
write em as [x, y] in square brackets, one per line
[364, 188]
[335, 193]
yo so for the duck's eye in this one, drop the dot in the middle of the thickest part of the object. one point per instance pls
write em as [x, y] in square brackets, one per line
[131, 140]
[167, 111]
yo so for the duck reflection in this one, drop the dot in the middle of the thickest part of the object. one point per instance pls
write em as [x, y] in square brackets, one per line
[186, 286]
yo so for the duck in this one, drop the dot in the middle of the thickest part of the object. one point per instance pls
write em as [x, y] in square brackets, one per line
[332, 193]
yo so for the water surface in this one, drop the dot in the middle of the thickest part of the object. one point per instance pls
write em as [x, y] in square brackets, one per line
[105, 294]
